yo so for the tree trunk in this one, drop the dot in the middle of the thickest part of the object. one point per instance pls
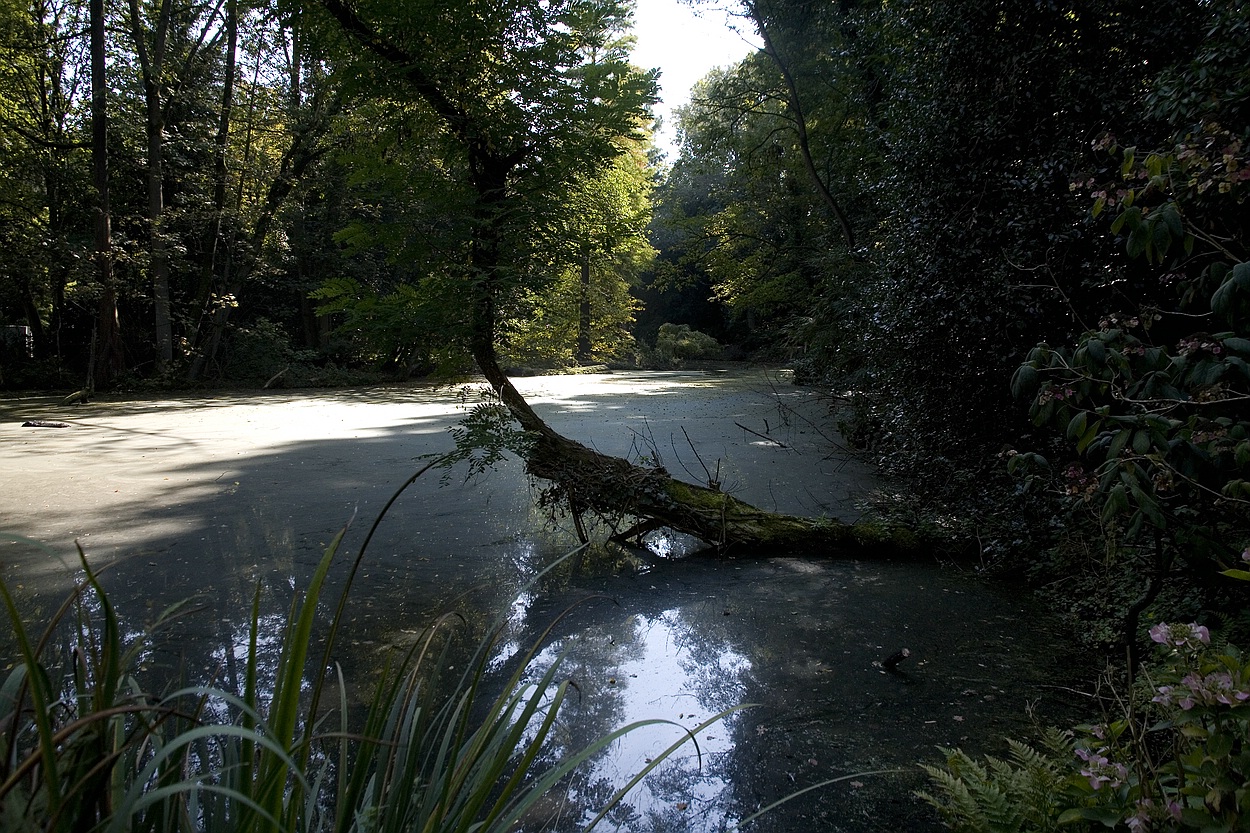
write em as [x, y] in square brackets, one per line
[106, 360]
[299, 155]
[583, 308]
[214, 244]
[589, 481]
[800, 125]
[582, 478]
[152, 66]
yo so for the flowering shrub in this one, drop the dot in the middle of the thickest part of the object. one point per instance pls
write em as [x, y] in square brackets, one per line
[1180, 763]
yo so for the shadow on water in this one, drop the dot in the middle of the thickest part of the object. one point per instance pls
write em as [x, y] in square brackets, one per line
[204, 500]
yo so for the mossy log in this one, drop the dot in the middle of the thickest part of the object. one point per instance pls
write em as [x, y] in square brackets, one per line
[588, 481]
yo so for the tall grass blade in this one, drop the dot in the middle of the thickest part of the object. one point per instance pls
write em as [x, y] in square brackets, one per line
[40, 690]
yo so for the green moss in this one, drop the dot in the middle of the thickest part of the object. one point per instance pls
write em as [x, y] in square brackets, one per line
[736, 523]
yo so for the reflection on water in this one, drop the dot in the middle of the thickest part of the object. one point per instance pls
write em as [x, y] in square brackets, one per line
[642, 668]
[802, 640]
[205, 500]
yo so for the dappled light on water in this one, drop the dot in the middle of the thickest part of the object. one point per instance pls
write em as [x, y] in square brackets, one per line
[203, 500]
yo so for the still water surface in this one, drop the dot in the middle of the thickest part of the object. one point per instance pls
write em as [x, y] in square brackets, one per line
[201, 499]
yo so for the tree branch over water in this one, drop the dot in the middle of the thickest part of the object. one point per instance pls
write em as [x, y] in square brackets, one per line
[581, 478]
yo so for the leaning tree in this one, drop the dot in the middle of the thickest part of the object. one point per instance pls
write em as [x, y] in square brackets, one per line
[517, 113]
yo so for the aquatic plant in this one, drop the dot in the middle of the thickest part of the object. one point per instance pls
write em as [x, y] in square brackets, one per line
[84, 746]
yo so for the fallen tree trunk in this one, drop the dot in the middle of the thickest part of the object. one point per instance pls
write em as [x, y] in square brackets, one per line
[582, 479]
[588, 481]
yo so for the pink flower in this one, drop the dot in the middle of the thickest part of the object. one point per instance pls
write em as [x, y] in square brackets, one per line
[1139, 822]
[1100, 770]
[1181, 636]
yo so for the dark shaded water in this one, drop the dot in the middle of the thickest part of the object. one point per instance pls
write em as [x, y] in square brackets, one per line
[203, 499]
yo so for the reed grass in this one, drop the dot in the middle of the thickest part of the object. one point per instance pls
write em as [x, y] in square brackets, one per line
[85, 747]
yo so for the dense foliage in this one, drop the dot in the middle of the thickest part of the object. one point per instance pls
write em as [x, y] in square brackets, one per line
[1058, 184]
[277, 199]
[1013, 237]
[1171, 758]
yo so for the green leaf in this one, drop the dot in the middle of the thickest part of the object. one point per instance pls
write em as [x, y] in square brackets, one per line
[1220, 745]
[1071, 816]
[1240, 345]
[1139, 241]
[1235, 285]
[1161, 239]
[1104, 815]
[1131, 218]
[1130, 156]
[1141, 441]
[1024, 382]
[1243, 575]
[1076, 426]
[1135, 522]
[1090, 434]
[1044, 413]
[1117, 501]
[1208, 373]
[1236, 488]
[1118, 443]
[1172, 219]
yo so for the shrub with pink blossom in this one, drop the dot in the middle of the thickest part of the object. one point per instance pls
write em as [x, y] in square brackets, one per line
[1175, 759]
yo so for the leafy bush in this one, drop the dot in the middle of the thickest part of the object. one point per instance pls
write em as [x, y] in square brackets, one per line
[677, 343]
[1023, 793]
[1180, 761]
[258, 351]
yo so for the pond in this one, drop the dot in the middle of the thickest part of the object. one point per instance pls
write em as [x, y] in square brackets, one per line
[202, 498]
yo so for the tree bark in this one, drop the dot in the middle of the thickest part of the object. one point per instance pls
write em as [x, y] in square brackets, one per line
[214, 244]
[584, 344]
[152, 66]
[106, 360]
[612, 487]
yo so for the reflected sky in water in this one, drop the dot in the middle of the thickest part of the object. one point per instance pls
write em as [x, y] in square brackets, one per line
[803, 640]
[205, 499]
